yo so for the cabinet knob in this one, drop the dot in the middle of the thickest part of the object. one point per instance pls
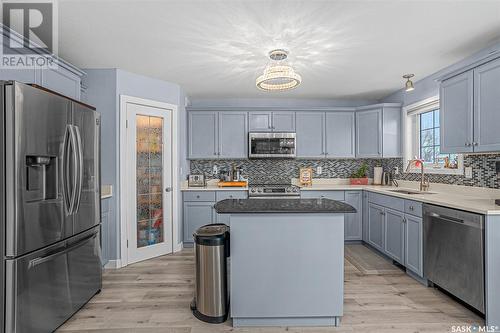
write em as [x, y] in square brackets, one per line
[475, 143]
[411, 208]
[197, 197]
[467, 144]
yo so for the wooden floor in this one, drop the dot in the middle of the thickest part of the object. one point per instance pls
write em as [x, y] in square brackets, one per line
[154, 296]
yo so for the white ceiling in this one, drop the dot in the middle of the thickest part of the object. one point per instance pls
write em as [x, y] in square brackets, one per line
[216, 49]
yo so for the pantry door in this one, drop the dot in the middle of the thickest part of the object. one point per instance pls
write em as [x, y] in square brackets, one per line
[149, 171]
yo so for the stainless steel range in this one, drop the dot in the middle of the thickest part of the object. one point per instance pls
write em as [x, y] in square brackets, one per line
[272, 191]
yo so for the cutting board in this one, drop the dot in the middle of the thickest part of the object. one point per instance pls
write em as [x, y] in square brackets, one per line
[232, 184]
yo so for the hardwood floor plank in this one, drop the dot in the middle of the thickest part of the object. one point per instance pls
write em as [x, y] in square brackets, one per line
[154, 296]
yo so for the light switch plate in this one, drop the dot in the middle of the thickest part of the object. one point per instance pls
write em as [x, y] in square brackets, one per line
[468, 172]
[319, 170]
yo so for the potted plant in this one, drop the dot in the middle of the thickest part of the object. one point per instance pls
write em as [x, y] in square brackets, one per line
[360, 177]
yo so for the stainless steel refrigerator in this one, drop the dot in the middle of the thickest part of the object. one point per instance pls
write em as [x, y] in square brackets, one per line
[50, 207]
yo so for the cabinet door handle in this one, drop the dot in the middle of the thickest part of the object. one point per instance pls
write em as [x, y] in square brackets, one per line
[475, 143]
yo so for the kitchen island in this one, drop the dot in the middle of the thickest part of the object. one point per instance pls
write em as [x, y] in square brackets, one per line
[287, 261]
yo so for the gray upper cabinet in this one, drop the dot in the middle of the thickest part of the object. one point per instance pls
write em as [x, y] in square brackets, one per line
[283, 121]
[353, 228]
[376, 226]
[202, 135]
[260, 121]
[233, 135]
[395, 235]
[369, 133]
[267, 121]
[310, 129]
[414, 244]
[487, 107]
[456, 114]
[215, 134]
[378, 130]
[340, 134]
[470, 111]
[62, 80]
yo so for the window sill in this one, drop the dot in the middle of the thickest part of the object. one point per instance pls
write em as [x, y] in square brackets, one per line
[458, 172]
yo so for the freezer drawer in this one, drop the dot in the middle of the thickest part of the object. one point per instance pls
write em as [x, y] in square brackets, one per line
[45, 288]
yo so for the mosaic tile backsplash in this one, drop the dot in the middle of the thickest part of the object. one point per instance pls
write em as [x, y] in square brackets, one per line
[278, 170]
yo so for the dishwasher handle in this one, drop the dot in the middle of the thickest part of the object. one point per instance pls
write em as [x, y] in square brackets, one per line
[448, 218]
[471, 220]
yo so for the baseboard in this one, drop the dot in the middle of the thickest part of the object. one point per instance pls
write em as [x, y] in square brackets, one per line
[113, 264]
[178, 247]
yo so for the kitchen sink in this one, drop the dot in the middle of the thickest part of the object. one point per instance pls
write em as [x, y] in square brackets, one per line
[404, 191]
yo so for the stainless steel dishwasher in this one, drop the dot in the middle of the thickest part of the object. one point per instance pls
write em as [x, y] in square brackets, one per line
[454, 253]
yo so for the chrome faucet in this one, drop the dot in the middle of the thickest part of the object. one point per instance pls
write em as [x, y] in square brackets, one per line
[424, 184]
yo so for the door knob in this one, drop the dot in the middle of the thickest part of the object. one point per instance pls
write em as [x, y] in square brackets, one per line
[169, 189]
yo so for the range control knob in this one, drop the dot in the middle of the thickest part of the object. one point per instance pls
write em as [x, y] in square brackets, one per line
[252, 190]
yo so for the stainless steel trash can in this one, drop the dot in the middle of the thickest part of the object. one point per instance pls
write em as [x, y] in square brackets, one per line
[211, 300]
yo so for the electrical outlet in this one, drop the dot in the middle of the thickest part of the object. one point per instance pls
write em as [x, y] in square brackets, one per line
[396, 170]
[215, 170]
[319, 170]
[468, 172]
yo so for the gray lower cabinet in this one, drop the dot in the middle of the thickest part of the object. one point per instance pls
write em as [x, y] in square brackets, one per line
[395, 235]
[105, 230]
[202, 131]
[353, 229]
[196, 214]
[414, 245]
[365, 216]
[310, 130]
[222, 195]
[376, 226]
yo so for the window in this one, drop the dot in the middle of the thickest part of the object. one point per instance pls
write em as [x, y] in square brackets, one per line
[429, 149]
[422, 139]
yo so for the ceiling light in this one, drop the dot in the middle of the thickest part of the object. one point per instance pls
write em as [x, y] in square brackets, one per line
[278, 75]
[409, 83]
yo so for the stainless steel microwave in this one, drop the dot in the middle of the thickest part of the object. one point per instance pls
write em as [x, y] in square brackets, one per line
[271, 145]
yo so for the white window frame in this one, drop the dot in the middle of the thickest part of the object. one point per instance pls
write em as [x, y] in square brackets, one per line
[411, 136]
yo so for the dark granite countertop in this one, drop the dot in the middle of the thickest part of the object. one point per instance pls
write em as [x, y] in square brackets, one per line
[244, 206]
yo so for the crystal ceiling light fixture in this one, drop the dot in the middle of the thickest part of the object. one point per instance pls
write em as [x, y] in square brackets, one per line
[409, 83]
[278, 75]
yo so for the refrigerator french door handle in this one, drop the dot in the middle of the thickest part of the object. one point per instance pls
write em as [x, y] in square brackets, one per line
[80, 169]
[40, 260]
[74, 149]
[66, 171]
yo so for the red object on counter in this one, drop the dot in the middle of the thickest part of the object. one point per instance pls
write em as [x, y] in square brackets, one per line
[359, 181]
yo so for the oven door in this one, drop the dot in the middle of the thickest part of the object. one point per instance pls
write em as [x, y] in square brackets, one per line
[271, 145]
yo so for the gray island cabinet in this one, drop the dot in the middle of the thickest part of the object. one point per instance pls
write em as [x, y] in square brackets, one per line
[287, 261]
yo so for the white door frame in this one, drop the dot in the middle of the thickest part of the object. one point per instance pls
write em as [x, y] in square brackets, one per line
[124, 196]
